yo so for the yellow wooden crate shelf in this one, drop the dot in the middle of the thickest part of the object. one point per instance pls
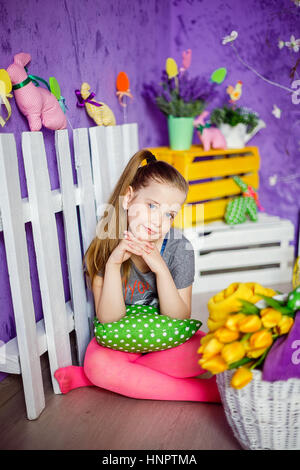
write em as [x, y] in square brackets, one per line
[210, 176]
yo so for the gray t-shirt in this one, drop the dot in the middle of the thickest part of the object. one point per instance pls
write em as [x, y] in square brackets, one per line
[178, 255]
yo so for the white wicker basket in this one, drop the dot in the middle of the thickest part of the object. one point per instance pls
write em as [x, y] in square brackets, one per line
[262, 415]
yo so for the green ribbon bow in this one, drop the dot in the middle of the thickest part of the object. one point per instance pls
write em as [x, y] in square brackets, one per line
[31, 78]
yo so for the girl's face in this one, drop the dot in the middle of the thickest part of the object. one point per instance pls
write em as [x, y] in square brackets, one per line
[151, 210]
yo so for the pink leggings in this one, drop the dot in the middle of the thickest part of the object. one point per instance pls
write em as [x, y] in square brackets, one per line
[160, 375]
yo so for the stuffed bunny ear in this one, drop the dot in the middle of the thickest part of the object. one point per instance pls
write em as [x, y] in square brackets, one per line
[22, 59]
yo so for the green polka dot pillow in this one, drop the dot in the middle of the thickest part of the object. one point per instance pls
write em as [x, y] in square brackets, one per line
[143, 330]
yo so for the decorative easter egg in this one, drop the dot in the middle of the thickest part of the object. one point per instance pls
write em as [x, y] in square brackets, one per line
[293, 301]
[54, 87]
[5, 78]
[122, 82]
[218, 76]
[171, 68]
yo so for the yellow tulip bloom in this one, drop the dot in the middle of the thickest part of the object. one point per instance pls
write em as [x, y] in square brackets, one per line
[222, 304]
[215, 364]
[241, 378]
[233, 320]
[284, 325]
[246, 345]
[211, 348]
[261, 339]
[225, 335]
[231, 289]
[266, 310]
[258, 289]
[206, 338]
[171, 68]
[270, 318]
[249, 324]
[214, 325]
[254, 353]
[219, 297]
[233, 352]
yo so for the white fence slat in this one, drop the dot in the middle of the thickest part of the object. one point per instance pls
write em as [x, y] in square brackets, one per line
[47, 252]
[100, 168]
[130, 141]
[247, 257]
[56, 203]
[72, 237]
[9, 352]
[111, 148]
[10, 358]
[19, 276]
[87, 206]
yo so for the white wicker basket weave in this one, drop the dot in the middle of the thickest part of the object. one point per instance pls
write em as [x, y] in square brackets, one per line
[262, 415]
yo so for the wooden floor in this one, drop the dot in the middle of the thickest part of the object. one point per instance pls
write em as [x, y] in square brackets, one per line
[91, 418]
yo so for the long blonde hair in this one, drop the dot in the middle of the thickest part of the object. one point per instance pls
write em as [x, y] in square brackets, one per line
[138, 177]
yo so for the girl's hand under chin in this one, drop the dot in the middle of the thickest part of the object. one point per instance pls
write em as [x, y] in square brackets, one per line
[153, 259]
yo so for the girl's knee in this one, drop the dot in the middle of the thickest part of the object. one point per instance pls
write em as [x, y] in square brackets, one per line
[200, 334]
[104, 366]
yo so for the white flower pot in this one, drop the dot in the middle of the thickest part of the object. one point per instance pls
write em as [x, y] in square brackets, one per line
[235, 136]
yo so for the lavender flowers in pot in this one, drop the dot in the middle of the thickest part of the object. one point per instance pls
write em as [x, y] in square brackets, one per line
[180, 98]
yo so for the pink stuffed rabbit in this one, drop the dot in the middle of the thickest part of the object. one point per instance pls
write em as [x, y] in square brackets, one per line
[36, 103]
[209, 136]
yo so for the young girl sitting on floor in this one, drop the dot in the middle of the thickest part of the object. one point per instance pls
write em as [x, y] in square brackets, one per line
[148, 262]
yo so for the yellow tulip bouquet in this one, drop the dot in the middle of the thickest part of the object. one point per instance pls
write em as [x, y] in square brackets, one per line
[240, 333]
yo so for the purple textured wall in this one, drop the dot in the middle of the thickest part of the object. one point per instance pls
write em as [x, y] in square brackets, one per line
[93, 40]
[201, 26]
[76, 41]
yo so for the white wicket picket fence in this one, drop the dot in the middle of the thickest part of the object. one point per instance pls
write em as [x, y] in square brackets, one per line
[101, 154]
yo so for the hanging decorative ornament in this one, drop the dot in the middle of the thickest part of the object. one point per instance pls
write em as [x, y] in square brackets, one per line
[186, 60]
[276, 111]
[123, 91]
[219, 75]
[234, 92]
[55, 89]
[171, 68]
[231, 38]
[97, 110]
[5, 92]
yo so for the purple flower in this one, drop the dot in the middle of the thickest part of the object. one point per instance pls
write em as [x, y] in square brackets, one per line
[193, 89]
[182, 87]
[167, 95]
[152, 90]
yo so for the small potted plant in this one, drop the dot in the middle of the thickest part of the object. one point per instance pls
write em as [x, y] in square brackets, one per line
[238, 125]
[180, 98]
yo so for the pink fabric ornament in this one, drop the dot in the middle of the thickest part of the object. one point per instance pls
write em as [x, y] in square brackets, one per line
[39, 105]
[186, 60]
[211, 137]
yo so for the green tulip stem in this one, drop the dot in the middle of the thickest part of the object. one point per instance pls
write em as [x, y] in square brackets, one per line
[177, 84]
[239, 363]
[261, 359]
